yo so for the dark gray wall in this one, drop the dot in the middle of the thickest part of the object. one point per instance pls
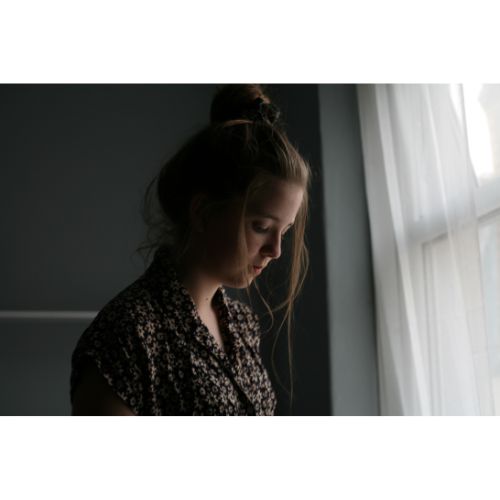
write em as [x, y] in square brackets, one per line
[353, 358]
[75, 160]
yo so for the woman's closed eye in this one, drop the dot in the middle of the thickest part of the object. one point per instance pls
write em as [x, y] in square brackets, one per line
[261, 229]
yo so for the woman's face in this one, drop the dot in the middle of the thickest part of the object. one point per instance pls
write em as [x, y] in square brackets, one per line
[269, 215]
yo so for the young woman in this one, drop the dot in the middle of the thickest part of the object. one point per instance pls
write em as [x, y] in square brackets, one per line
[173, 342]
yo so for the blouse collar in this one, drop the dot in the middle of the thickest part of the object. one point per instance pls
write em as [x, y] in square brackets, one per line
[164, 273]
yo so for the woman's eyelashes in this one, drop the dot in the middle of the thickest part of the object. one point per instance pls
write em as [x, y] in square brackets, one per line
[261, 229]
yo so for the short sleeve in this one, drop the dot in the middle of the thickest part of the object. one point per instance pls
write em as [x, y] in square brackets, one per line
[116, 351]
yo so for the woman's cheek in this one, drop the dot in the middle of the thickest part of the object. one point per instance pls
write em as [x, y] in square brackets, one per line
[248, 237]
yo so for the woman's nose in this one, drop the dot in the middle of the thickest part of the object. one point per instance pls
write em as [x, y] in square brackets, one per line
[273, 247]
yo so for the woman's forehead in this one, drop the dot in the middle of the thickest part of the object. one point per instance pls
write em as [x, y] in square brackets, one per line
[276, 200]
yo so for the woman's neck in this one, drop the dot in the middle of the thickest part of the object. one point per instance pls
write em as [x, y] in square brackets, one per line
[200, 285]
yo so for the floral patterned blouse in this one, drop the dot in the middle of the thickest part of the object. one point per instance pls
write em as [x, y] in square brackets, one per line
[157, 355]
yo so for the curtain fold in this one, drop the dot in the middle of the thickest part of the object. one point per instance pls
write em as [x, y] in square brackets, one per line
[432, 342]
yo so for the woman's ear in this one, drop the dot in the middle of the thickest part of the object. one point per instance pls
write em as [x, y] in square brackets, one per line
[197, 207]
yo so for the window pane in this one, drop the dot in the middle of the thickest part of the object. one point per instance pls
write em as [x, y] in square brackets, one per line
[489, 238]
[482, 113]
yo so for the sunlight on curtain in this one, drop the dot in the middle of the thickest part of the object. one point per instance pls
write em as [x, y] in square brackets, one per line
[435, 259]
[482, 111]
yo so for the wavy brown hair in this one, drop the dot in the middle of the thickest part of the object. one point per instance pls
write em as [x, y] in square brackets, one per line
[243, 147]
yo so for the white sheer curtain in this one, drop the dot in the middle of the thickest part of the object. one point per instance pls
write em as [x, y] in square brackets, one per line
[435, 355]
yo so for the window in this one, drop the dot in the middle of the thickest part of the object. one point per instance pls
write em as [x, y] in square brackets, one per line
[432, 165]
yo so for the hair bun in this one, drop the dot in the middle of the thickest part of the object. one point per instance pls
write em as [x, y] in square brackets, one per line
[243, 101]
[262, 110]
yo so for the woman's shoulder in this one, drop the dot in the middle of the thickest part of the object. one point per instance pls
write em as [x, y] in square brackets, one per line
[125, 315]
[136, 302]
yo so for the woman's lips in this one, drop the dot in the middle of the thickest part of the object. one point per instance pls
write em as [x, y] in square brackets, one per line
[257, 270]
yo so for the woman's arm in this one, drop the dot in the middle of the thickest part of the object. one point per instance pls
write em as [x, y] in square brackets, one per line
[94, 396]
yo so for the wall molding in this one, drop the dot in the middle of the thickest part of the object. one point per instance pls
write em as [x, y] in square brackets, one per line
[57, 315]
